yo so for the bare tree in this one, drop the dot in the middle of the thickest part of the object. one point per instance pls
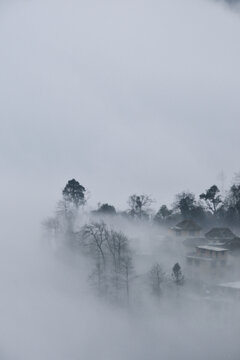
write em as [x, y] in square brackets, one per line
[66, 214]
[112, 257]
[156, 277]
[94, 237]
[127, 267]
[117, 245]
[139, 205]
[60, 227]
[120, 264]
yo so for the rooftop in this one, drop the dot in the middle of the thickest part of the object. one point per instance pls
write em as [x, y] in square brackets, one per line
[188, 225]
[220, 233]
[216, 244]
[211, 248]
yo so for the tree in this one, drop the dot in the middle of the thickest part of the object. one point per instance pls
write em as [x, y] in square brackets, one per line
[74, 193]
[163, 214]
[127, 271]
[139, 205]
[120, 266]
[164, 211]
[177, 275]
[61, 226]
[212, 199]
[94, 237]
[112, 257]
[234, 195]
[117, 245]
[185, 202]
[237, 178]
[232, 204]
[156, 277]
[188, 207]
[106, 209]
[66, 213]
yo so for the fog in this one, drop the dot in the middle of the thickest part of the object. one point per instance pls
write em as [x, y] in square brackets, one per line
[49, 310]
[128, 97]
[88, 89]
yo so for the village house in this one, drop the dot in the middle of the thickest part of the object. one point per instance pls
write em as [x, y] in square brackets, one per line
[208, 256]
[233, 245]
[186, 228]
[220, 236]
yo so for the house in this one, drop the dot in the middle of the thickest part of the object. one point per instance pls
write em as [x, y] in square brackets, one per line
[212, 252]
[223, 237]
[233, 244]
[208, 256]
[220, 235]
[186, 228]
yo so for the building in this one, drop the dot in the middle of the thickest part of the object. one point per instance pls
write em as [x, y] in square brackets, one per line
[233, 245]
[219, 235]
[208, 256]
[223, 237]
[186, 228]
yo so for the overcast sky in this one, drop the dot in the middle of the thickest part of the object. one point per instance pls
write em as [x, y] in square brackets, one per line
[125, 96]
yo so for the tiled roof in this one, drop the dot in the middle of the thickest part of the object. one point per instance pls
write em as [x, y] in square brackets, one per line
[188, 225]
[211, 248]
[220, 233]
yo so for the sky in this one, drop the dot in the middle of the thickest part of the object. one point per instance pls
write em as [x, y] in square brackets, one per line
[125, 96]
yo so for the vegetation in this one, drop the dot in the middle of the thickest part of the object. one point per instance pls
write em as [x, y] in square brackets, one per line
[177, 275]
[156, 277]
[108, 249]
[74, 193]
